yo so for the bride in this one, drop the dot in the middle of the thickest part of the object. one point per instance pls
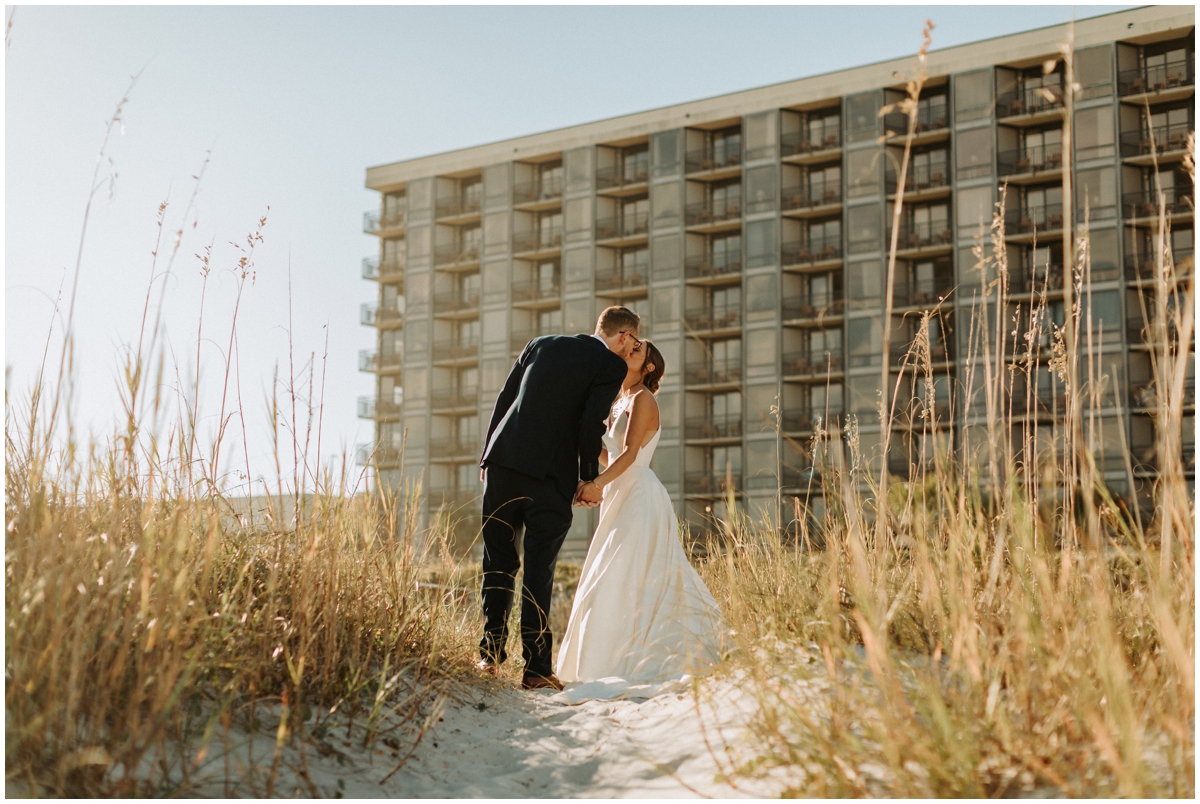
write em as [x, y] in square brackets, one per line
[642, 618]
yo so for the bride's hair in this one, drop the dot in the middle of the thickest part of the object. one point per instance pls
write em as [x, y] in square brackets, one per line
[654, 357]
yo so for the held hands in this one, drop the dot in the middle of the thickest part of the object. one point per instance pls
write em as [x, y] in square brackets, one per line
[588, 494]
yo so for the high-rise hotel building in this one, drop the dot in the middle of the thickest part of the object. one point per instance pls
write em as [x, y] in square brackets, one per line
[751, 232]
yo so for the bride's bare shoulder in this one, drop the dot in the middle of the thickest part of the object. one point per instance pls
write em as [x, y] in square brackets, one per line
[644, 400]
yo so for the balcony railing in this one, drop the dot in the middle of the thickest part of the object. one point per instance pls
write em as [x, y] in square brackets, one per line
[623, 226]
[453, 205]
[710, 427]
[799, 142]
[1028, 101]
[711, 318]
[383, 456]
[453, 448]
[461, 350]
[536, 290]
[804, 419]
[453, 398]
[816, 194]
[1145, 265]
[366, 407]
[616, 280]
[547, 189]
[812, 364]
[372, 315]
[706, 213]
[705, 159]
[910, 292]
[929, 118]
[924, 234]
[1178, 73]
[713, 372]
[813, 250]
[548, 239]
[375, 222]
[812, 305]
[370, 408]
[1157, 139]
[1040, 218]
[453, 301]
[370, 360]
[1045, 278]
[455, 255]
[375, 268]
[621, 175]
[902, 348]
[1144, 204]
[702, 266]
[1032, 159]
[709, 484]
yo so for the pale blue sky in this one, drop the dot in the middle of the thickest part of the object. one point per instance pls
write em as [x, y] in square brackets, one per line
[295, 103]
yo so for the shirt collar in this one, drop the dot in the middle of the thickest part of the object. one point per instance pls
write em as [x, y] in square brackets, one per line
[597, 337]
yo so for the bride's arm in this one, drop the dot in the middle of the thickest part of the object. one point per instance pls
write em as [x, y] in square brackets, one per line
[643, 421]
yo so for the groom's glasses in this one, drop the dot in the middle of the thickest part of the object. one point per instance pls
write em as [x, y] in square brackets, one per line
[636, 343]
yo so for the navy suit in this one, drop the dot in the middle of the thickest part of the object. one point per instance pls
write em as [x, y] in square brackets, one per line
[544, 437]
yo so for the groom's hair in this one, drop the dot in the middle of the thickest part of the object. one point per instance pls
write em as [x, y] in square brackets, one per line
[614, 319]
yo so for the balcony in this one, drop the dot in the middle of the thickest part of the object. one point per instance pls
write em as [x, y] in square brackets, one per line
[816, 198]
[1047, 278]
[722, 371]
[713, 428]
[381, 456]
[921, 237]
[456, 351]
[920, 292]
[714, 160]
[1031, 161]
[708, 216]
[445, 400]
[804, 420]
[390, 270]
[544, 242]
[1144, 204]
[714, 319]
[387, 363]
[815, 308]
[618, 177]
[1031, 220]
[814, 251]
[705, 484]
[453, 256]
[456, 303]
[713, 269]
[800, 144]
[1144, 266]
[903, 351]
[930, 118]
[623, 227]
[810, 364]
[620, 284]
[536, 293]
[1036, 102]
[379, 410]
[454, 449]
[546, 192]
[454, 206]
[372, 315]
[1159, 78]
[378, 224]
[1143, 398]
[1157, 141]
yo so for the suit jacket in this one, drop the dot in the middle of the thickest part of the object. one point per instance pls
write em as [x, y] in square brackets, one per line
[549, 418]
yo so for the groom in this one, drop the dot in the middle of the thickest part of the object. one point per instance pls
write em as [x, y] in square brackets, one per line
[541, 454]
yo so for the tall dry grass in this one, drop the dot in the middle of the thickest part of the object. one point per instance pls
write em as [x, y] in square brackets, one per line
[1001, 623]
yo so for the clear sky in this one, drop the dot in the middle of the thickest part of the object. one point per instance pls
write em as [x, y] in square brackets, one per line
[294, 104]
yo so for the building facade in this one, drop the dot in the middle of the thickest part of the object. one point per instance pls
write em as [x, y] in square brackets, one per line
[751, 232]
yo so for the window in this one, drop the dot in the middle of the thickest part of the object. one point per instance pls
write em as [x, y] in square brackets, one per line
[761, 248]
[726, 462]
[726, 407]
[760, 135]
[667, 202]
[761, 294]
[634, 216]
[973, 153]
[862, 113]
[549, 277]
[550, 179]
[470, 241]
[550, 228]
[822, 398]
[824, 129]
[725, 199]
[862, 172]
[1094, 72]
[1105, 316]
[1094, 136]
[726, 250]
[825, 347]
[864, 228]
[760, 189]
[726, 299]
[635, 164]
[1106, 260]
[635, 265]
[760, 347]
[495, 183]
[824, 184]
[666, 257]
[666, 147]
[1096, 194]
[550, 322]
[975, 211]
[472, 193]
[972, 96]
[864, 395]
[727, 146]
[467, 332]
[864, 338]
[727, 353]
[579, 171]
[865, 281]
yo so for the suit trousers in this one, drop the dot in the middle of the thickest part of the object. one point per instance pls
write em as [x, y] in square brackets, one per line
[512, 501]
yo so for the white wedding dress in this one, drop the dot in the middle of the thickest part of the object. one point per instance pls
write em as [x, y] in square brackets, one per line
[642, 620]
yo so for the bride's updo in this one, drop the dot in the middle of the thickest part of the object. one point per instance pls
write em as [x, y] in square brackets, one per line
[651, 379]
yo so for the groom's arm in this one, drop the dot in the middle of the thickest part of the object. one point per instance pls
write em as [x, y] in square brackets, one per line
[591, 426]
[508, 395]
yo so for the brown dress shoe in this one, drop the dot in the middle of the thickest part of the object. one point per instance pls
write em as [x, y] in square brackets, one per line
[532, 682]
